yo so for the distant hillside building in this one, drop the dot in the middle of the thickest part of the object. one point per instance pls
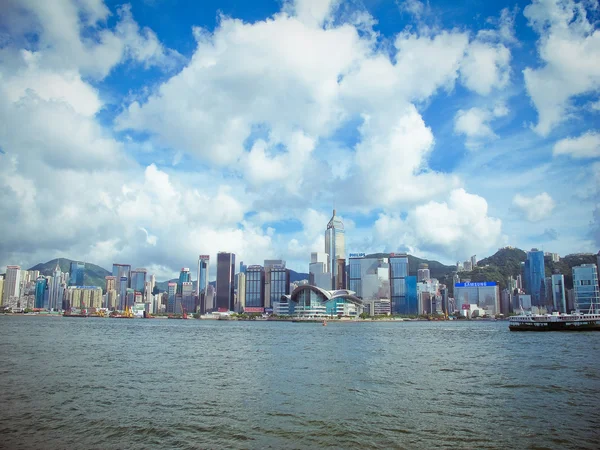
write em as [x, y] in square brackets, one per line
[77, 273]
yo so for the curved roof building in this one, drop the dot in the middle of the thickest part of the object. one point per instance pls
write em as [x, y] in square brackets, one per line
[313, 301]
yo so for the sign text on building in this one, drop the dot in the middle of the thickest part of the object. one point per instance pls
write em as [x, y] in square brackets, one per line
[356, 255]
[476, 284]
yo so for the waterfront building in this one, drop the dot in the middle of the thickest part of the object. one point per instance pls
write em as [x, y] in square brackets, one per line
[403, 288]
[240, 295]
[534, 276]
[123, 282]
[122, 270]
[203, 266]
[559, 302]
[255, 289]
[585, 285]
[111, 283]
[278, 281]
[319, 274]
[184, 276]
[171, 292]
[83, 297]
[308, 301]
[423, 272]
[1, 290]
[138, 280]
[77, 273]
[269, 265]
[335, 247]
[225, 281]
[506, 301]
[598, 268]
[209, 299]
[12, 283]
[484, 294]
[379, 307]
[41, 292]
[369, 277]
[56, 290]
[112, 299]
[188, 299]
[152, 281]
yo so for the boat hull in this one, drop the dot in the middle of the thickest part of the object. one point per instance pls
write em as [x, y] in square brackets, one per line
[551, 326]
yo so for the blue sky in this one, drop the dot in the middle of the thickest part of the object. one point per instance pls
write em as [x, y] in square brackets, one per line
[159, 130]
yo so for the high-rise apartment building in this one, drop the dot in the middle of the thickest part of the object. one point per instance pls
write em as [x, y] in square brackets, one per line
[225, 281]
[56, 288]
[473, 261]
[335, 247]
[535, 273]
[12, 283]
[77, 273]
[423, 272]
[111, 283]
[585, 285]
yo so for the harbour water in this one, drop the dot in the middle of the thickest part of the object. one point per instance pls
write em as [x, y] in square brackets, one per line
[105, 383]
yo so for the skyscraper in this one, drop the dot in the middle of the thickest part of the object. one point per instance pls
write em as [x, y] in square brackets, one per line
[585, 284]
[41, 292]
[55, 295]
[172, 293]
[184, 277]
[535, 273]
[76, 274]
[473, 261]
[111, 283]
[279, 282]
[423, 272]
[335, 247]
[558, 293]
[269, 265]
[1, 289]
[138, 280]
[255, 287]
[123, 281]
[225, 281]
[319, 274]
[203, 266]
[12, 283]
[403, 288]
[122, 270]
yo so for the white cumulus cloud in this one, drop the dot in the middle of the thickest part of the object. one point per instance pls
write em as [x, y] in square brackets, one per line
[535, 208]
[585, 146]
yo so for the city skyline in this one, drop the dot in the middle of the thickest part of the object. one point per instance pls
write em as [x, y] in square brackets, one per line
[432, 129]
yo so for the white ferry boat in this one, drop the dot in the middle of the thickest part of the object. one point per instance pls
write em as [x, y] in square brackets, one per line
[556, 322]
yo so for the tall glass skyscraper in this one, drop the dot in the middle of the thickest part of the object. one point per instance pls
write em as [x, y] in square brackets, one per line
[280, 283]
[585, 284]
[403, 288]
[203, 265]
[76, 274]
[122, 270]
[225, 281]
[184, 277]
[138, 280]
[41, 292]
[255, 287]
[335, 247]
[535, 273]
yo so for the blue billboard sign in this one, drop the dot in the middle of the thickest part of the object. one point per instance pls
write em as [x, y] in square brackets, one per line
[476, 284]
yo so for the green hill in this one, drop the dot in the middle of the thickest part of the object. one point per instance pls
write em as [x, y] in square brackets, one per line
[93, 275]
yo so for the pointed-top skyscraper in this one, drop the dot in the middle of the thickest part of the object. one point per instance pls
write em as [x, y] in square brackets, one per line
[335, 247]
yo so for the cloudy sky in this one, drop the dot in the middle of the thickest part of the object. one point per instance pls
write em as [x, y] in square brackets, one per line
[153, 131]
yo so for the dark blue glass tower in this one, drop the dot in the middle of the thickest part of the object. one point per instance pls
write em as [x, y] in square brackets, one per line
[76, 274]
[535, 273]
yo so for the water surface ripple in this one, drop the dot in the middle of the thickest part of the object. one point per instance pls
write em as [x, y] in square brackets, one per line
[112, 384]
